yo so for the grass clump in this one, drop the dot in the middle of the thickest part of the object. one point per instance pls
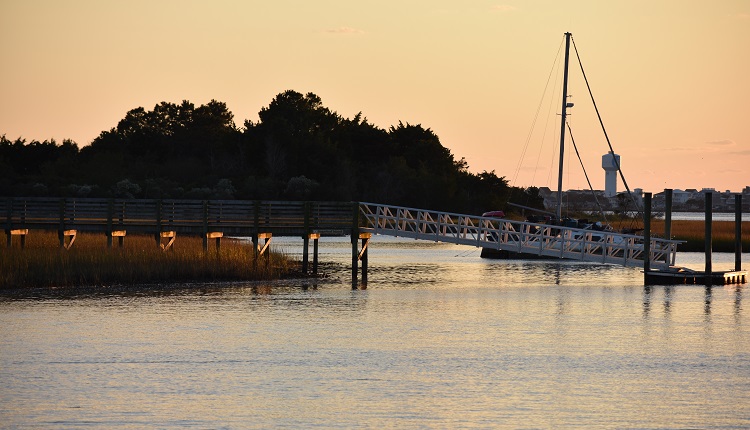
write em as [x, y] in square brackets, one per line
[88, 262]
[694, 233]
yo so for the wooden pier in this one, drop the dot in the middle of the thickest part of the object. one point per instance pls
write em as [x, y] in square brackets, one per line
[211, 219]
[680, 275]
[687, 276]
[167, 220]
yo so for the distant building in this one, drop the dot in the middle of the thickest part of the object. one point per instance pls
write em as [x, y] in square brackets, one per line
[680, 197]
[688, 200]
[610, 164]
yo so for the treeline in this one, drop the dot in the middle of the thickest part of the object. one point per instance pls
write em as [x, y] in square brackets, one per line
[298, 150]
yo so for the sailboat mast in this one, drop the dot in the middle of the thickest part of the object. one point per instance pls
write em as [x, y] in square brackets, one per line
[562, 127]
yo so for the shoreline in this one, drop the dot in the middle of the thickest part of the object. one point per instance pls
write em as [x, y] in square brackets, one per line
[42, 264]
[89, 267]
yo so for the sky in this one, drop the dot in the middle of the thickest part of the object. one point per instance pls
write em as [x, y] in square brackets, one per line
[671, 78]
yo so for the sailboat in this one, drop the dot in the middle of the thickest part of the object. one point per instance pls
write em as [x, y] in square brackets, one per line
[556, 218]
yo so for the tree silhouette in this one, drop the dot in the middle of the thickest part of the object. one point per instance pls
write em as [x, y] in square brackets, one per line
[299, 149]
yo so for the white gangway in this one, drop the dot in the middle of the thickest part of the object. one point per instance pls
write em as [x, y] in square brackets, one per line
[606, 247]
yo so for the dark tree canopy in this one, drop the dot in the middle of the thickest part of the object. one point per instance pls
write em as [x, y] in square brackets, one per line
[299, 149]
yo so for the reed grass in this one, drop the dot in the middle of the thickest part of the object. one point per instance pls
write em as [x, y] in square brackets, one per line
[694, 233]
[90, 263]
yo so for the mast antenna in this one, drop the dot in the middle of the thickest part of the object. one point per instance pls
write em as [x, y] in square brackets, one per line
[562, 126]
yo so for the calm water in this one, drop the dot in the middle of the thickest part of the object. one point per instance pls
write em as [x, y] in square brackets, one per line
[439, 339]
[701, 216]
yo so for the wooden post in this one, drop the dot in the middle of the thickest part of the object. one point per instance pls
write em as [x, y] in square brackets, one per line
[110, 212]
[119, 234]
[157, 235]
[265, 250]
[305, 252]
[668, 214]
[69, 236]
[170, 236]
[18, 232]
[647, 235]
[708, 221]
[205, 226]
[9, 220]
[315, 255]
[354, 239]
[256, 232]
[216, 235]
[306, 238]
[738, 232]
[61, 228]
[365, 242]
[266, 243]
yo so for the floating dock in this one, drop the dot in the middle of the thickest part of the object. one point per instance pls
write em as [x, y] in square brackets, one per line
[681, 275]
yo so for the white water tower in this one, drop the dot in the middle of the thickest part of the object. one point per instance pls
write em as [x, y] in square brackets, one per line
[610, 164]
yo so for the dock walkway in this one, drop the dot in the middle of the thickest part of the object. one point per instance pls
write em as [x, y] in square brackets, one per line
[605, 247]
[211, 219]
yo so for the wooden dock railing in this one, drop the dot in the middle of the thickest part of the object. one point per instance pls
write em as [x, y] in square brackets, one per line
[605, 247]
[207, 218]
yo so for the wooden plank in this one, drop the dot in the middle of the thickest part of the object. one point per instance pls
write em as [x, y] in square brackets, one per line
[262, 250]
[172, 235]
[17, 232]
[68, 238]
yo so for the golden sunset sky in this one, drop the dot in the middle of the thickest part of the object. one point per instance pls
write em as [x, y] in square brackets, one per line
[671, 78]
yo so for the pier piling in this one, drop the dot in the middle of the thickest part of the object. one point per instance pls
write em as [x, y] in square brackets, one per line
[646, 234]
[708, 243]
[363, 255]
[668, 215]
[709, 277]
[738, 232]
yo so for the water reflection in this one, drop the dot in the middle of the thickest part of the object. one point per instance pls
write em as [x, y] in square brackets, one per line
[737, 304]
[436, 340]
[668, 299]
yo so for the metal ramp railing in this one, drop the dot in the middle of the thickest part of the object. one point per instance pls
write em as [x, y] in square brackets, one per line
[580, 244]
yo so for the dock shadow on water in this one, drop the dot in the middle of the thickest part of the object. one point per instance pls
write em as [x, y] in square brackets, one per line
[440, 338]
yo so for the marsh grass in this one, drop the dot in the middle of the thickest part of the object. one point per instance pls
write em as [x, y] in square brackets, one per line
[693, 232]
[89, 263]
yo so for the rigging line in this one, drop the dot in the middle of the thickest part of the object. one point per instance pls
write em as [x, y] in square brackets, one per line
[617, 163]
[591, 188]
[466, 253]
[533, 123]
[552, 101]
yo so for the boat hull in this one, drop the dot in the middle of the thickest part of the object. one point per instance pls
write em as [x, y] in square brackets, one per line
[500, 254]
